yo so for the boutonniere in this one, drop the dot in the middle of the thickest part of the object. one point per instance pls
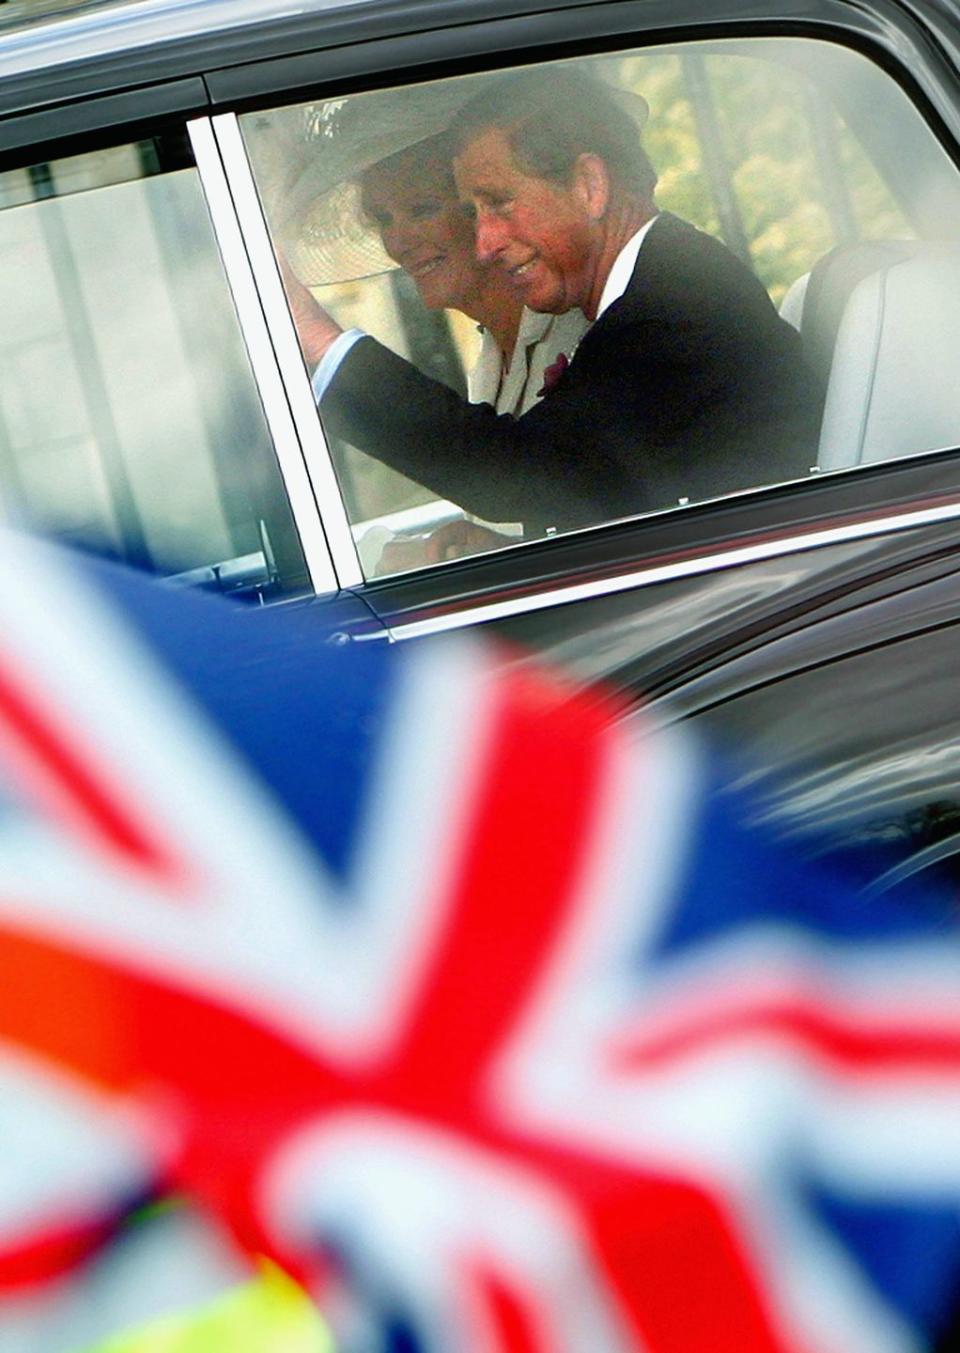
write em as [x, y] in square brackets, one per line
[553, 375]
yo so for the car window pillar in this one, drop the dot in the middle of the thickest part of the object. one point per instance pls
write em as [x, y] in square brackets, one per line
[258, 337]
[271, 339]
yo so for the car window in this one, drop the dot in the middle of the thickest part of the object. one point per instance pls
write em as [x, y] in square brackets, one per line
[129, 419]
[776, 305]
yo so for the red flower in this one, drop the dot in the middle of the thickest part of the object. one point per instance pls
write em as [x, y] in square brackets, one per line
[554, 374]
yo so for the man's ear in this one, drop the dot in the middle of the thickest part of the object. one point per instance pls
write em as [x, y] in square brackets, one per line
[591, 183]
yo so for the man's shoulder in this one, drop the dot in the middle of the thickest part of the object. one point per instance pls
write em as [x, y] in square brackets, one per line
[681, 267]
[672, 239]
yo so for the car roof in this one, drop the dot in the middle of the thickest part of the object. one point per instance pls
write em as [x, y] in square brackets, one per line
[98, 28]
[103, 46]
[98, 46]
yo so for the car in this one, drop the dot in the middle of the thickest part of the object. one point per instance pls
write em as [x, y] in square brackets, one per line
[155, 404]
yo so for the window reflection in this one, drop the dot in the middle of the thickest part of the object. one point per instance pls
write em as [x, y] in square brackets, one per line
[128, 418]
[791, 158]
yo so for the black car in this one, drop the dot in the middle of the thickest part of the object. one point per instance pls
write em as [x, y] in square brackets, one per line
[166, 163]
[158, 159]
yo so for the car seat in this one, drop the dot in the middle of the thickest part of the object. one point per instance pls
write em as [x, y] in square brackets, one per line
[880, 324]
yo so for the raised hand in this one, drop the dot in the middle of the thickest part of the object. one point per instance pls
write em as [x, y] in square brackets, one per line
[316, 329]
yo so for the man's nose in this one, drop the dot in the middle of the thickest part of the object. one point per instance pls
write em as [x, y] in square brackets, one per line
[492, 237]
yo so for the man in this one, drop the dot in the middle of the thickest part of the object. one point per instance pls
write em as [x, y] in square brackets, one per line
[687, 386]
[410, 198]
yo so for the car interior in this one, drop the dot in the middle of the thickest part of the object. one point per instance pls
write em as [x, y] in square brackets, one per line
[878, 319]
[807, 159]
[775, 147]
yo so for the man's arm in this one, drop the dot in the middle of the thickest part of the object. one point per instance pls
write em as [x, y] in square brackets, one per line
[561, 464]
[490, 464]
[690, 387]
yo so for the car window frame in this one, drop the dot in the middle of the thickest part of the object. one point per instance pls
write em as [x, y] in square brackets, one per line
[324, 54]
[887, 36]
[182, 105]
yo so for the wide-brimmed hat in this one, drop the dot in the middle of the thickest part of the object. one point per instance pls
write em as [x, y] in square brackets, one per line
[310, 161]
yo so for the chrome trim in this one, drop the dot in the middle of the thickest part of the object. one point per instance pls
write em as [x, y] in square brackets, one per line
[286, 346]
[48, 40]
[922, 859]
[686, 568]
[262, 359]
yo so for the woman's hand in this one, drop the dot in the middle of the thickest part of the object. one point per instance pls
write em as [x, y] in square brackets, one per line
[459, 538]
[316, 329]
[455, 540]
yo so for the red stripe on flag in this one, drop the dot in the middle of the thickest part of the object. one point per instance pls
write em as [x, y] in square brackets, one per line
[514, 1321]
[515, 884]
[676, 1259]
[832, 1035]
[70, 786]
[127, 1031]
[670, 1256]
[51, 1252]
[220, 1087]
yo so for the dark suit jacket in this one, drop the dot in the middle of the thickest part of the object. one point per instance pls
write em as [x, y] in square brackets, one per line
[690, 385]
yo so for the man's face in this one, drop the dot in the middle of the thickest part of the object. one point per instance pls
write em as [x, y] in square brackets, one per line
[540, 232]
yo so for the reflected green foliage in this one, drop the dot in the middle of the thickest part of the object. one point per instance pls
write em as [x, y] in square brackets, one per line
[878, 215]
[671, 138]
[796, 197]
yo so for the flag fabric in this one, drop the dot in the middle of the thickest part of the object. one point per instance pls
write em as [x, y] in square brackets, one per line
[271, 1312]
[421, 973]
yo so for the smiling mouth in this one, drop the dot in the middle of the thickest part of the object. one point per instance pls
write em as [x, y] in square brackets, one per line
[426, 267]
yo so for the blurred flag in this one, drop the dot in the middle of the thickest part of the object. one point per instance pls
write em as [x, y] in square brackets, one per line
[414, 973]
[270, 1314]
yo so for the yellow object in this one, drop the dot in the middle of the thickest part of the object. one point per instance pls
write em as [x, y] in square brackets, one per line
[272, 1314]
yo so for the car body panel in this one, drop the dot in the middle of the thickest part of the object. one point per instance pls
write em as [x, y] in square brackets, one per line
[629, 557]
[708, 609]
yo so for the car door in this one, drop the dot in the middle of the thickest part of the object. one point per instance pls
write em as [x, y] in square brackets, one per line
[139, 416]
[765, 134]
[846, 727]
[771, 143]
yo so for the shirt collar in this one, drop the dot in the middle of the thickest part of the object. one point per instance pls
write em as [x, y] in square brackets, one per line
[619, 276]
[533, 326]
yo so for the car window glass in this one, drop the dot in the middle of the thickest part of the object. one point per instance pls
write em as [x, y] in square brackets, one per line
[817, 191]
[129, 421]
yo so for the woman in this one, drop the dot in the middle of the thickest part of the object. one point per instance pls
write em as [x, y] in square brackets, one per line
[411, 199]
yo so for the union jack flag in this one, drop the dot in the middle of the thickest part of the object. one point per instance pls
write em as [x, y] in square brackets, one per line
[416, 972]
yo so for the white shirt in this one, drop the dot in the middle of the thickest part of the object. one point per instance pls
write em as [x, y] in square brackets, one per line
[329, 363]
[623, 265]
[540, 341]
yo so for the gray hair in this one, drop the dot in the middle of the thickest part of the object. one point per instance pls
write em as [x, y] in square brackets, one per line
[551, 117]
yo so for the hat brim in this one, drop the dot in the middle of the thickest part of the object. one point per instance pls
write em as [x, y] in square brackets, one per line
[314, 207]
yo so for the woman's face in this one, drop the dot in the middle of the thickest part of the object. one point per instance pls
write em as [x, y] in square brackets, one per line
[412, 200]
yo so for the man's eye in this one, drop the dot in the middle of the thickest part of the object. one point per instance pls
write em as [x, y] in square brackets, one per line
[469, 210]
[430, 206]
